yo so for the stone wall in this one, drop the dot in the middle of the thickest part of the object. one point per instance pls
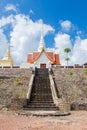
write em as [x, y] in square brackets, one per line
[72, 85]
[13, 85]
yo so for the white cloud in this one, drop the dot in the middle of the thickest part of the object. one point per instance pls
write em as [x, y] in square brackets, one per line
[31, 11]
[3, 44]
[79, 32]
[79, 53]
[66, 25]
[10, 7]
[62, 41]
[79, 49]
[25, 36]
[6, 20]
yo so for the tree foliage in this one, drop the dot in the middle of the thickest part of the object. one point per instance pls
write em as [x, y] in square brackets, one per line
[67, 50]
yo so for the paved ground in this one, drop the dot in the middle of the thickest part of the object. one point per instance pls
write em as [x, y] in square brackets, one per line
[11, 121]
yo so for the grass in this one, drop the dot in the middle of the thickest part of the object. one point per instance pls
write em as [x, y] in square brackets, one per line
[84, 89]
[21, 93]
[85, 70]
[16, 82]
[70, 73]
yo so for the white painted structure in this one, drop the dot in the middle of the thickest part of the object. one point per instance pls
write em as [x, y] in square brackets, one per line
[42, 60]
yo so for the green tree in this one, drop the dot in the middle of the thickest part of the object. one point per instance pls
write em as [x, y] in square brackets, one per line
[67, 50]
[67, 60]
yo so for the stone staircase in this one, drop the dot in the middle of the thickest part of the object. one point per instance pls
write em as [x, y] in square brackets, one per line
[41, 97]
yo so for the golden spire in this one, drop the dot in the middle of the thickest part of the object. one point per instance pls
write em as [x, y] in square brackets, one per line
[8, 57]
[8, 54]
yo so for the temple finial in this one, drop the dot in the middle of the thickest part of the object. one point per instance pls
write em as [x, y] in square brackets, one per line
[8, 54]
[41, 45]
[42, 37]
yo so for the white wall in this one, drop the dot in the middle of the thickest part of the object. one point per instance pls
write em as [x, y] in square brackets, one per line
[43, 60]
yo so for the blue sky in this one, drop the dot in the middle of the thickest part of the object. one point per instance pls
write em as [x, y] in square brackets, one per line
[64, 23]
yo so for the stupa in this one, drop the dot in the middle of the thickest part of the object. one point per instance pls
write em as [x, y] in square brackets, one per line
[7, 60]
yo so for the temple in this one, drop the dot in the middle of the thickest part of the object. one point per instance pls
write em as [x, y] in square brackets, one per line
[7, 60]
[43, 58]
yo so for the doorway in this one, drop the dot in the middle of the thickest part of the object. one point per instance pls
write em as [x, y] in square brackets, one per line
[42, 66]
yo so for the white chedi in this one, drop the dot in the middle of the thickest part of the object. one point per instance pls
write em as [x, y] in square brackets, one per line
[42, 44]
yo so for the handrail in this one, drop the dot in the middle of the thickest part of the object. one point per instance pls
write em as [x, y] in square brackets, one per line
[30, 86]
[53, 90]
[63, 105]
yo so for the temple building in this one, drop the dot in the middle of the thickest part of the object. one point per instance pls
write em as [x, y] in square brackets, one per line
[42, 58]
[7, 60]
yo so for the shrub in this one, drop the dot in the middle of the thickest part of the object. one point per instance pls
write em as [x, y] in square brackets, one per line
[16, 82]
[85, 71]
[21, 93]
[71, 73]
[60, 95]
[84, 89]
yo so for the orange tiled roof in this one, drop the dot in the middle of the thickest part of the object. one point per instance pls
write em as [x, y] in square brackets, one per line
[57, 59]
[48, 54]
[54, 58]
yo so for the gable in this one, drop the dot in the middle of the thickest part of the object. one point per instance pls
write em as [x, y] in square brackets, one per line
[43, 58]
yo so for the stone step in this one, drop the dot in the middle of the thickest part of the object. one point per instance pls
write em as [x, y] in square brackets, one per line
[40, 108]
[41, 88]
[41, 101]
[41, 96]
[42, 72]
[41, 93]
[41, 104]
[38, 95]
[32, 106]
[45, 94]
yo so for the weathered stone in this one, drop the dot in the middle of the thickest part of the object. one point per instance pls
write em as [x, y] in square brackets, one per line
[13, 84]
[71, 84]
